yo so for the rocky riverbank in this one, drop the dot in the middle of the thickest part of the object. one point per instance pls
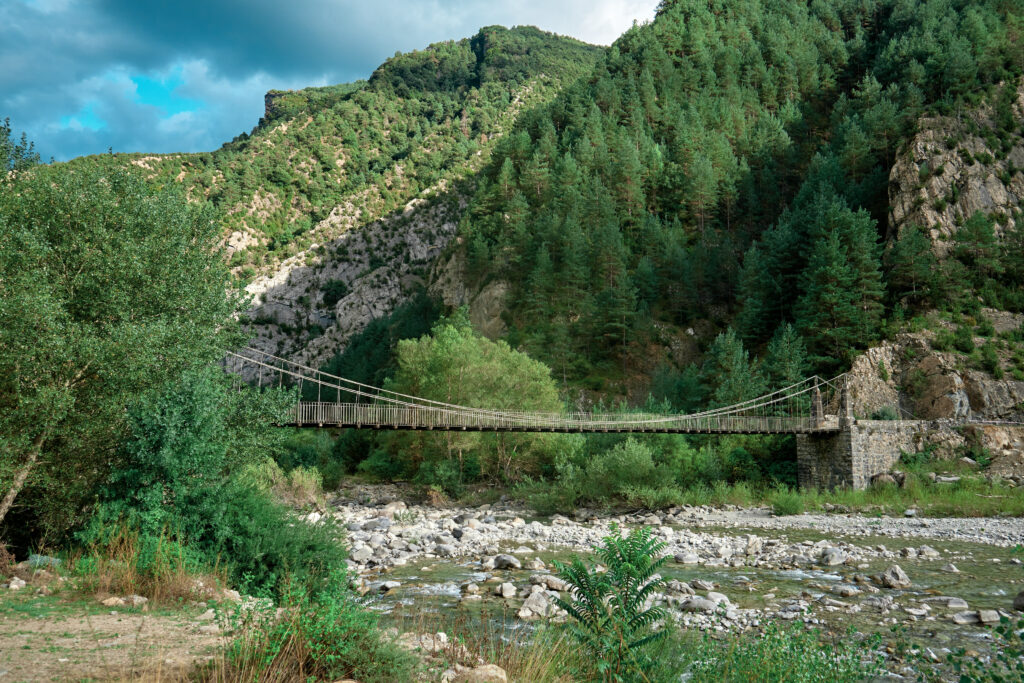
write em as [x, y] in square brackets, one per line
[730, 569]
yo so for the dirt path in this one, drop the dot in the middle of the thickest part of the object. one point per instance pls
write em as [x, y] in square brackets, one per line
[52, 638]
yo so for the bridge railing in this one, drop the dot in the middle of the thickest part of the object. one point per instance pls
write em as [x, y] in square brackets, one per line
[420, 417]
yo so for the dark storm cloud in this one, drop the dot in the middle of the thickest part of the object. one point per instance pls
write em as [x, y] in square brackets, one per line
[70, 69]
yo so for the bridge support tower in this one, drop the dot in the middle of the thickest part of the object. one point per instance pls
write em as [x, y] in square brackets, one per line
[858, 451]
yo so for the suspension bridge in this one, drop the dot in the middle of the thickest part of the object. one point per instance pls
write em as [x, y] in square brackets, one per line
[811, 406]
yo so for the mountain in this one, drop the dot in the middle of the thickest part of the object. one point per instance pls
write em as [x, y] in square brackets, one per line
[729, 164]
[335, 204]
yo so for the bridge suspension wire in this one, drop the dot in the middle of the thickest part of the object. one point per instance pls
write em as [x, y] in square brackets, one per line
[784, 410]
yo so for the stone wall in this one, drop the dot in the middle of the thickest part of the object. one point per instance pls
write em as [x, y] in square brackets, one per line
[851, 457]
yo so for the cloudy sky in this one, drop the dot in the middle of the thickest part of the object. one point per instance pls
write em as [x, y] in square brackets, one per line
[82, 76]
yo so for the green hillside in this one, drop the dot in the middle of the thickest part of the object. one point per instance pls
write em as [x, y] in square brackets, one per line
[728, 164]
[423, 120]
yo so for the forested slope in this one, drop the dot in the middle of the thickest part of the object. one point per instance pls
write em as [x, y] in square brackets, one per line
[728, 164]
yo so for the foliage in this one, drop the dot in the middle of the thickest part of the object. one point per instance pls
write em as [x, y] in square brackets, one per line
[720, 162]
[325, 634]
[786, 501]
[455, 365]
[15, 155]
[610, 619]
[175, 480]
[1007, 662]
[787, 655]
[94, 264]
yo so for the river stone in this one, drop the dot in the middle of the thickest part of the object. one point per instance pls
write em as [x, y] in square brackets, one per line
[537, 564]
[505, 590]
[537, 603]
[1018, 602]
[444, 549]
[687, 558]
[391, 509]
[718, 598]
[376, 540]
[361, 555]
[652, 520]
[845, 590]
[698, 604]
[988, 616]
[507, 562]
[928, 552]
[702, 585]
[831, 557]
[894, 577]
[946, 601]
[378, 523]
[967, 617]
[389, 585]
[951, 568]
[676, 586]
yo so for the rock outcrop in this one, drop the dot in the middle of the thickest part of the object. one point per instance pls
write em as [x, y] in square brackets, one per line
[955, 167]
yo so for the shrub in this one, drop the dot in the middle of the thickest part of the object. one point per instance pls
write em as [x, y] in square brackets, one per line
[885, 413]
[174, 480]
[963, 340]
[794, 655]
[786, 501]
[609, 618]
[328, 635]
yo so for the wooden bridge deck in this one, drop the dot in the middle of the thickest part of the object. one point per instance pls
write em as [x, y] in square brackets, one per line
[430, 418]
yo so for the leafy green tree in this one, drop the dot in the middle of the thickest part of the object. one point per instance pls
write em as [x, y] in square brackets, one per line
[455, 365]
[177, 476]
[107, 288]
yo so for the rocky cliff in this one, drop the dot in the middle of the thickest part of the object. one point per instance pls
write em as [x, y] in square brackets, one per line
[960, 164]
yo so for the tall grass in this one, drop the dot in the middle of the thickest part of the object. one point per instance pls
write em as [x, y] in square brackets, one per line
[326, 635]
[159, 568]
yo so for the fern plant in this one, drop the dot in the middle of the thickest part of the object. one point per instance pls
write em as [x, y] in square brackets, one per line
[611, 618]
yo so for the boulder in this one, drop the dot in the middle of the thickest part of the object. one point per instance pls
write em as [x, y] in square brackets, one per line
[718, 598]
[698, 604]
[504, 561]
[894, 577]
[831, 557]
[16, 584]
[988, 616]
[391, 509]
[505, 590]
[967, 617]
[687, 558]
[361, 555]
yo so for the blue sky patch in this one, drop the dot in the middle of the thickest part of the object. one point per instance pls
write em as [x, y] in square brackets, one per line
[85, 119]
[160, 93]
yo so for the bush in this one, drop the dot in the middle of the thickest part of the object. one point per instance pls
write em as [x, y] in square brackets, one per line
[174, 480]
[786, 501]
[963, 339]
[794, 655]
[885, 413]
[328, 635]
[609, 618]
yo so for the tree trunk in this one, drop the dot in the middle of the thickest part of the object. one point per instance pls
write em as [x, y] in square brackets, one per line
[21, 475]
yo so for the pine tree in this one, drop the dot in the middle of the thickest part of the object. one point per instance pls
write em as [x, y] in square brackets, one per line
[912, 267]
[785, 361]
[827, 314]
[729, 372]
